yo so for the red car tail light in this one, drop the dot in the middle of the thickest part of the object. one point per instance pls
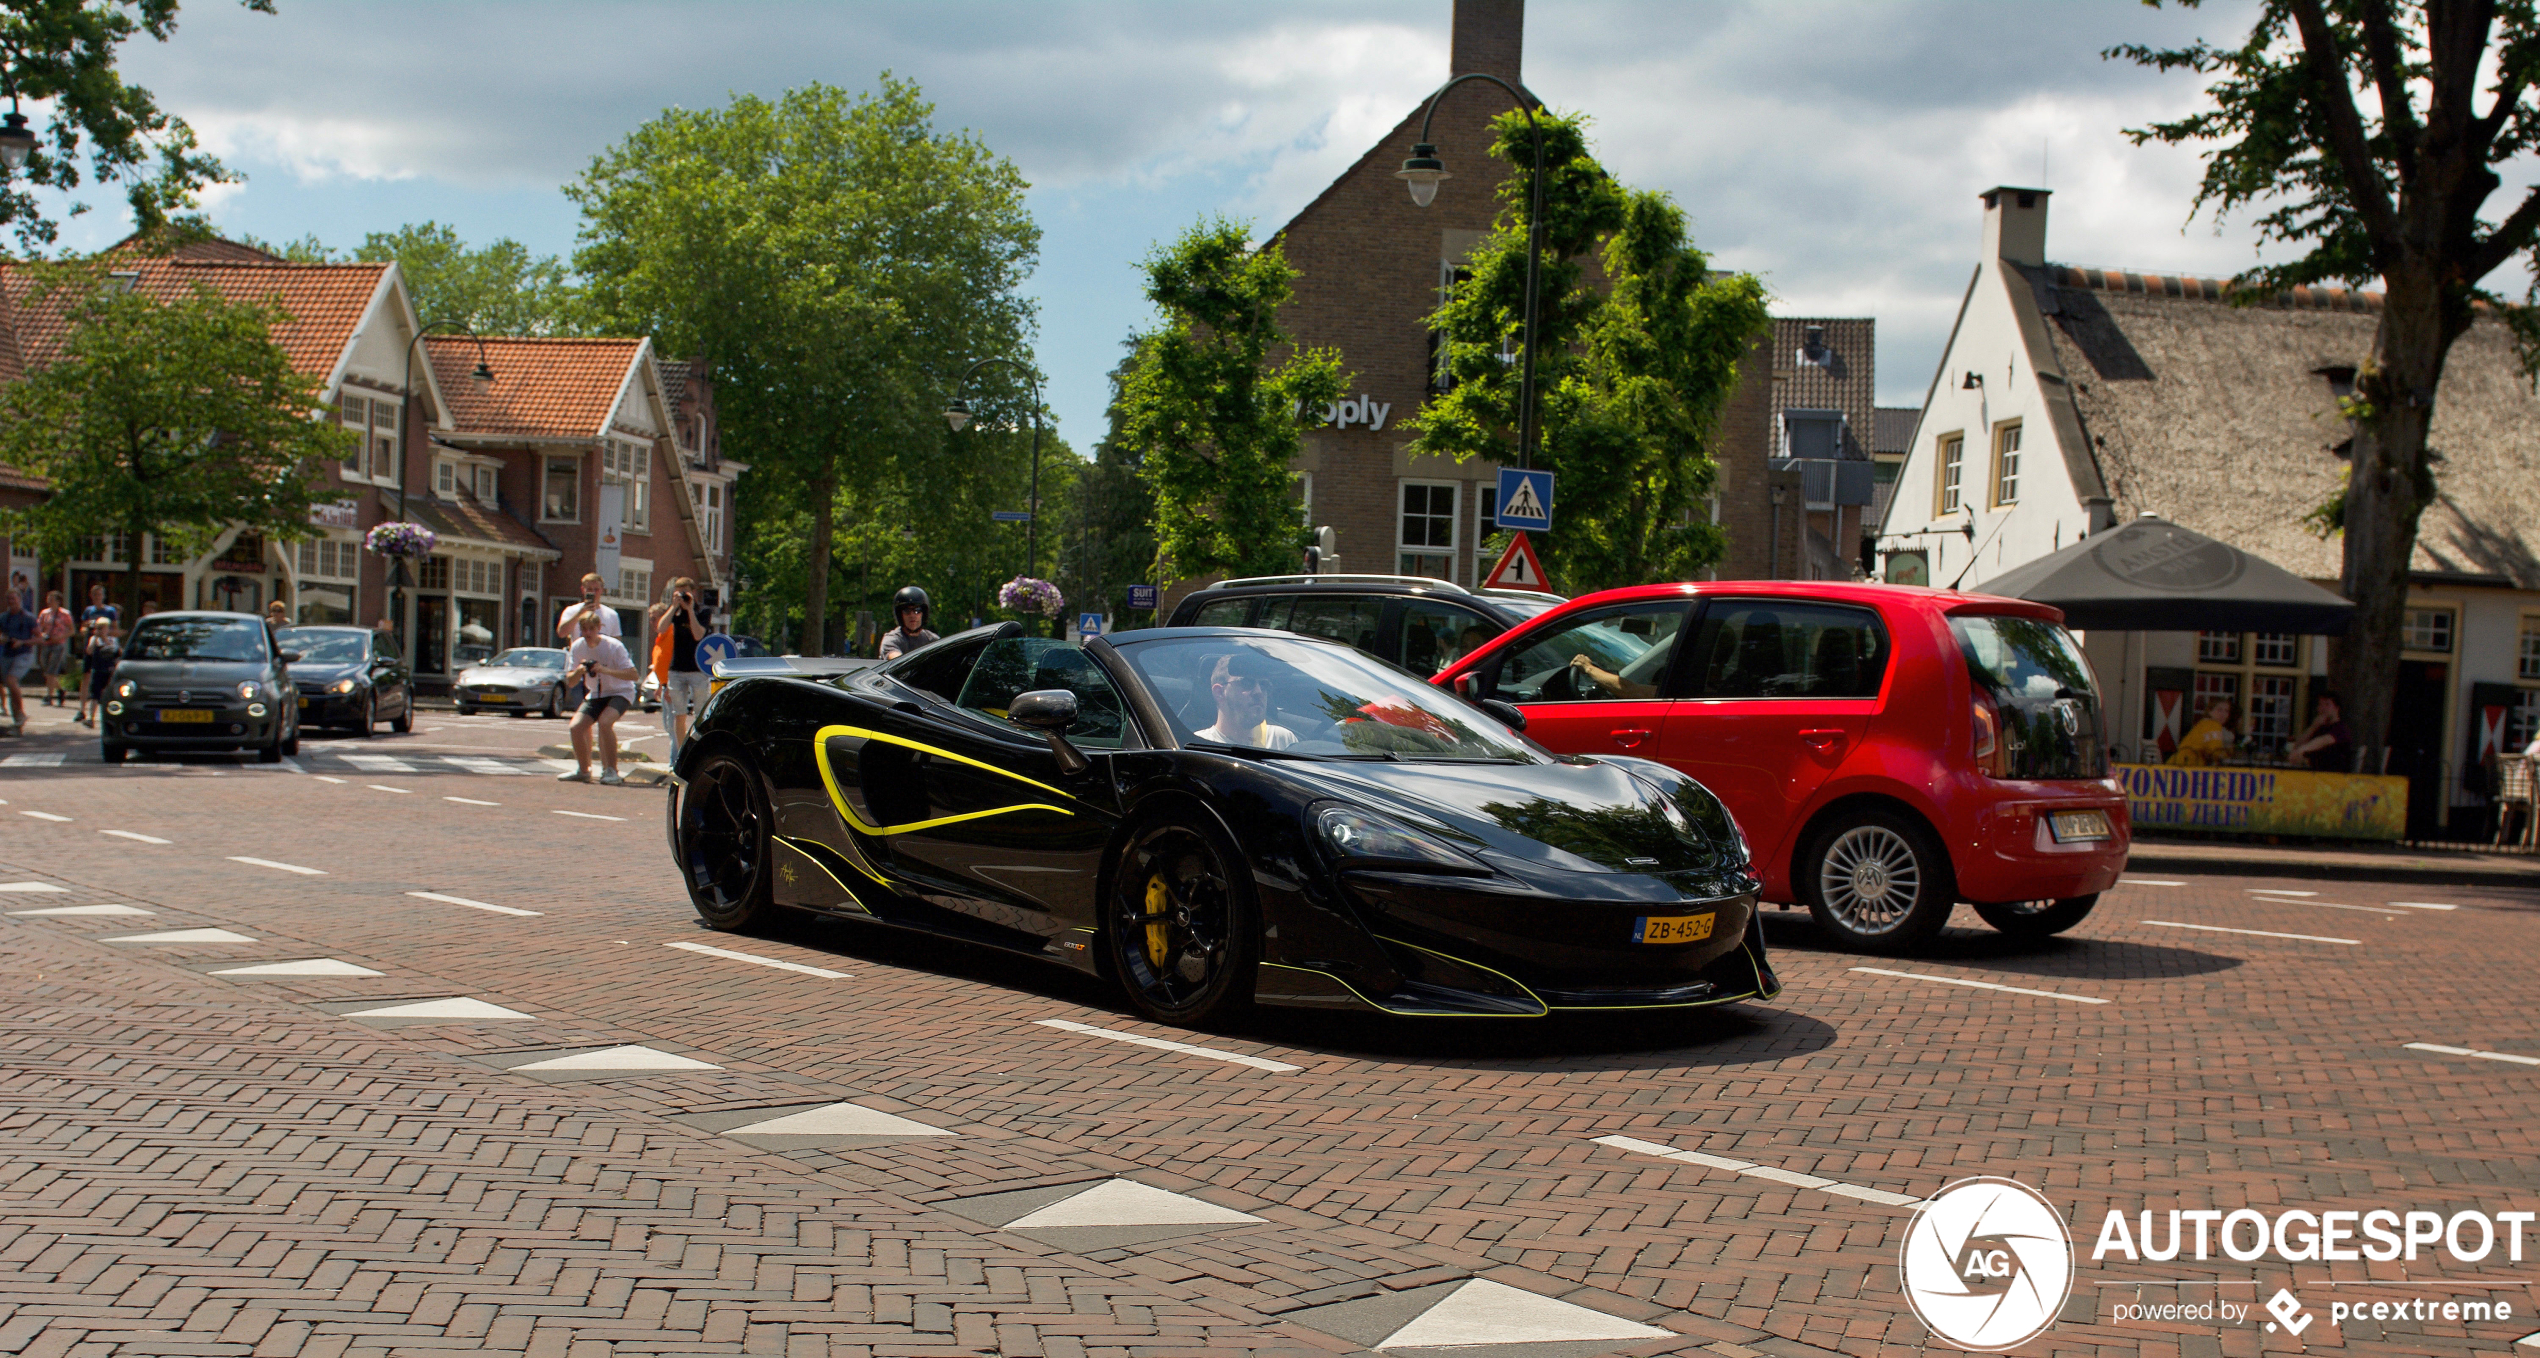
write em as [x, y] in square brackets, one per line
[1988, 750]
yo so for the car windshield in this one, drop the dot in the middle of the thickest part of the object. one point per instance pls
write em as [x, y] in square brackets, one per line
[1304, 699]
[197, 639]
[326, 648]
[528, 658]
[1521, 607]
[2041, 687]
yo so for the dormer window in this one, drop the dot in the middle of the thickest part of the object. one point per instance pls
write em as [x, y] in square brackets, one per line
[2341, 380]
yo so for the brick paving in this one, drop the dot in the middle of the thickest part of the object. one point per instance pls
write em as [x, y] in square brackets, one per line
[221, 1165]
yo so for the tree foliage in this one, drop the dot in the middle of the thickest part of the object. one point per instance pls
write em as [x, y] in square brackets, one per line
[2371, 135]
[100, 129]
[179, 417]
[1212, 420]
[1633, 367]
[1108, 524]
[839, 262]
[497, 289]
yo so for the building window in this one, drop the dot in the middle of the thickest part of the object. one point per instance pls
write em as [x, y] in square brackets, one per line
[2522, 724]
[328, 559]
[356, 417]
[630, 465]
[2006, 465]
[383, 442]
[2280, 649]
[1441, 371]
[432, 575]
[2271, 707]
[563, 500]
[635, 583]
[106, 547]
[470, 575]
[2427, 629]
[1953, 457]
[1427, 536]
[163, 552]
[445, 479]
[2218, 648]
[2267, 719]
[2529, 666]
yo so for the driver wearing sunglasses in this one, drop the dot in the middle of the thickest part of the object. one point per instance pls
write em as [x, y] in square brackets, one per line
[1240, 682]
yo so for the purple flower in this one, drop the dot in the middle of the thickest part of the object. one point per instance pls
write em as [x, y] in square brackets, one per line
[1025, 594]
[403, 539]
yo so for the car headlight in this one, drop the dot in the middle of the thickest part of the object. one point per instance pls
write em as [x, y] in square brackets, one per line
[127, 689]
[1363, 838]
[344, 685]
[248, 690]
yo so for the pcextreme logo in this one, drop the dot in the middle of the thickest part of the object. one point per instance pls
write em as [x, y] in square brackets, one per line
[1987, 1264]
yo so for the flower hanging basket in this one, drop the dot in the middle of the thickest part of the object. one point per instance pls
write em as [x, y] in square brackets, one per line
[1024, 594]
[403, 539]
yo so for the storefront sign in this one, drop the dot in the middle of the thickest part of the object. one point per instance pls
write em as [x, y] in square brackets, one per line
[337, 514]
[1349, 410]
[2265, 801]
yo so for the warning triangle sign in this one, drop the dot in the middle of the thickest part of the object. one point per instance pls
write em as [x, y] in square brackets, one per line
[1518, 568]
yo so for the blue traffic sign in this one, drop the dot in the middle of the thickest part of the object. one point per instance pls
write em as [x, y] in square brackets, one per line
[1143, 597]
[714, 648]
[1525, 500]
[1011, 515]
[1089, 624]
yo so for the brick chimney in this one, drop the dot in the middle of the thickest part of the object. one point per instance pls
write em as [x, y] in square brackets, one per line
[1490, 38]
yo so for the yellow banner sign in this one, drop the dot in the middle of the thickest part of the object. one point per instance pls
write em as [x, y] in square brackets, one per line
[2265, 801]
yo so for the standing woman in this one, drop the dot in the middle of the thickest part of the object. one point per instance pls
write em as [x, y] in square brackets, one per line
[53, 628]
[99, 652]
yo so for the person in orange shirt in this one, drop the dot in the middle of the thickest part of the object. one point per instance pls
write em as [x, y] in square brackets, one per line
[2212, 741]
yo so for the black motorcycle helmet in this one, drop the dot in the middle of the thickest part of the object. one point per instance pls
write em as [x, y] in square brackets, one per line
[910, 596]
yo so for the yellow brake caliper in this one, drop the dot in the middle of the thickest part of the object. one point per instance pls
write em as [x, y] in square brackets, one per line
[1159, 899]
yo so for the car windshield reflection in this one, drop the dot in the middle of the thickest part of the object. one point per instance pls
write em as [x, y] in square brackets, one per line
[1306, 700]
[326, 648]
[241, 639]
[527, 658]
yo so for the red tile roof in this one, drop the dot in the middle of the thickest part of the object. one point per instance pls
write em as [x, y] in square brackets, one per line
[325, 302]
[542, 388]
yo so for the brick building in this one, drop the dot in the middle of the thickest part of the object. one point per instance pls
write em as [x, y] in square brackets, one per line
[1801, 423]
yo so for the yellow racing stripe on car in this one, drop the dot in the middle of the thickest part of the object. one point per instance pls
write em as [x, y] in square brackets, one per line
[829, 779]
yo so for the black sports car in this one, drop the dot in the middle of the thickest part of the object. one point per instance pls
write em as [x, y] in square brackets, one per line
[1214, 816]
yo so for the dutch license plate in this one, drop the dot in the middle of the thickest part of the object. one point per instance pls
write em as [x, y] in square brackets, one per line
[304, 704]
[183, 714]
[493, 697]
[1672, 928]
[2070, 827]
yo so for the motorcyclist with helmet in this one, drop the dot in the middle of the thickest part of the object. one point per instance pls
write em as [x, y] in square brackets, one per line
[912, 608]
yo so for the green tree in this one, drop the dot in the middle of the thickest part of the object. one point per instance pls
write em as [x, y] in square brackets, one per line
[63, 52]
[1632, 370]
[498, 289]
[1211, 419]
[180, 417]
[838, 260]
[2355, 128]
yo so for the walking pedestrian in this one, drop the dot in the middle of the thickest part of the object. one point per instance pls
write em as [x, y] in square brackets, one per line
[99, 608]
[912, 608]
[683, 685]
[17, 653]
[53, 628]
[100, 650]
[600, 663]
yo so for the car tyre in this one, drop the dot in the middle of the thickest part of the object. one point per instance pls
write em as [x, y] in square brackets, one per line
[367, 723]
[271, 752]
[1183, 931]
[2038, 919]
[725, 841]
[1877, 882]
[291, 744]
[112, 752]
[405, 718]
[555, 699]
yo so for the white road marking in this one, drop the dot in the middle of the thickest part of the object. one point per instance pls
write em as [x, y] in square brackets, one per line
[589, 815]
[2468, 1051]
[286, 867]
[1983, 985]
[838, 1119]
[2332, 905]
[88, 910]
[619, 1058]
[32, 761]
[2253, 933]
[383, 787]
[1126, 1202]
[377, 763]
[2272, 891]
[458, 1007]
[473, 905]
[46, 815]
[1186, 1049]
[309, 966]
[481, 764]
[470, 801]
[34, 888]
[324, 779]
[134, 835]
[2421, 905]
[2147, 881]
[184, 936]
[762, 961]
[293, 765]
[1480, 1312]
[1784, 1176]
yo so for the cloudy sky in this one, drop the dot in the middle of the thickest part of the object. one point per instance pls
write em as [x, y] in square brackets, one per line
[1833, 148]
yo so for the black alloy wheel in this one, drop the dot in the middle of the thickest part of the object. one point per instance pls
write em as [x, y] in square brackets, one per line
[1183, 931]
[724, 843]
[1878, 881]
[112, 752]
[369, 720]
[2038, 919]
[405, 720]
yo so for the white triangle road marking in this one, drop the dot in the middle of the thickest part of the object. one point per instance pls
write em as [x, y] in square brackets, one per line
[1485, 1312]
[620, 1058]
[88, 910]
[184, 936]
[838, 1119]
[454, 1007]
[34, 888]
[311, 966]
[1126, 1202]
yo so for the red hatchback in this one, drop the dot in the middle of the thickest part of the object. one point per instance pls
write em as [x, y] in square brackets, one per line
[1887, 751]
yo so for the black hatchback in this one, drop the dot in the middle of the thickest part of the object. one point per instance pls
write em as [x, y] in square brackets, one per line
[1421, 624]
[201, 683]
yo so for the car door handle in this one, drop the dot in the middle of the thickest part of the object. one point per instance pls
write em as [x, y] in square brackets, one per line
[1630, 737]
[1824, 738]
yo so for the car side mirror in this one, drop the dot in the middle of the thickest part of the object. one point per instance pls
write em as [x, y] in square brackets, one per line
[1050, 711]
[291, 657]
[1468, 687]
[1510, 715]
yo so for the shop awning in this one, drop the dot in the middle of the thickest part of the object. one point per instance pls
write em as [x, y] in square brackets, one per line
[2154, 576]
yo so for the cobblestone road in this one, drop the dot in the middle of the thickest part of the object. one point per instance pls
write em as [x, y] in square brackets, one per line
[569, 1140]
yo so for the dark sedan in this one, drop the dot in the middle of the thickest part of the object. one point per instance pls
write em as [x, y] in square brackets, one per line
[1214, 816]
[200, 682]
[350, 678]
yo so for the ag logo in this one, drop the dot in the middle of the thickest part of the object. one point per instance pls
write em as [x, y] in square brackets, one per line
[1987, 1264]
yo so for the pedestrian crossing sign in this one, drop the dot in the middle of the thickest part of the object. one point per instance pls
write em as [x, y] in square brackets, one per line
[1525, 500]
[1518, 568]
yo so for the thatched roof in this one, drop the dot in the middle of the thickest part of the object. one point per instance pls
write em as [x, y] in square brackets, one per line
[2223, 419]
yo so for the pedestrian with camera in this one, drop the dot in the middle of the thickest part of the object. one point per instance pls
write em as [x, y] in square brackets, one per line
[599, 663]
[685, 622]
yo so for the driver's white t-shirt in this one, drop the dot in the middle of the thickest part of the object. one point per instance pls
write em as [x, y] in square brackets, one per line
[1274, 737]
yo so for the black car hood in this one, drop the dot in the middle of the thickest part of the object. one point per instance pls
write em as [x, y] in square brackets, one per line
[309, 673]
[1570, 815]
[156, 675]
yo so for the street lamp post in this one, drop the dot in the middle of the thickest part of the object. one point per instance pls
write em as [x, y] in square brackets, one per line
[1422, 173]
[481, 374]
[957, 415]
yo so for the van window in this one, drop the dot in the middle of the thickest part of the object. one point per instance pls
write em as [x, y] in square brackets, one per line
[1777, 648]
